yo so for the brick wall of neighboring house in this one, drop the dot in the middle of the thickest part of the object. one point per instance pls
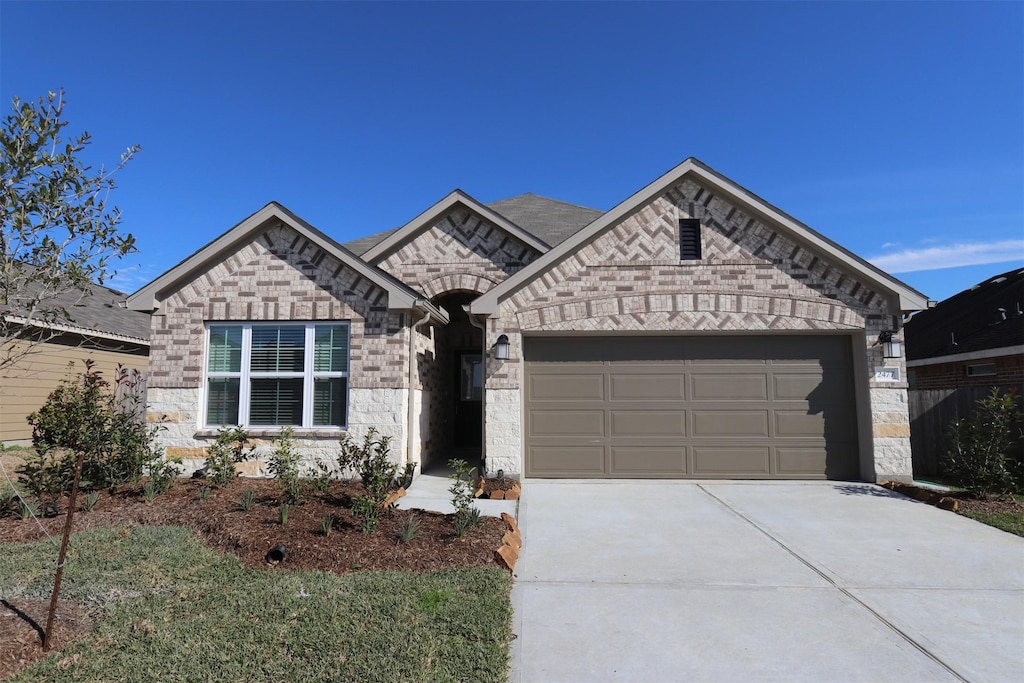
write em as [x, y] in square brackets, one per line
[1008, 370]
[278, 276]
[750, 278]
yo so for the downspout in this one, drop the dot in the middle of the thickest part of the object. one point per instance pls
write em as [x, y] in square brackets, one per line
[412, 386]
[483, 389]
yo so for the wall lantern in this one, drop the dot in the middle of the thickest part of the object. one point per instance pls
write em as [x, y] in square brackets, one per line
[891, 348]
[501, 347]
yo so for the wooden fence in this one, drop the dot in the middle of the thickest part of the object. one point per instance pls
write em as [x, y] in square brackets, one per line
[932, 411]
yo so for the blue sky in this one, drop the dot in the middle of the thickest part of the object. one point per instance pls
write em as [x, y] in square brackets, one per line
[895, 129]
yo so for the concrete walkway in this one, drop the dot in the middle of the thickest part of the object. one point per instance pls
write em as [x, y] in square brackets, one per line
[683, 581]
[429, 491]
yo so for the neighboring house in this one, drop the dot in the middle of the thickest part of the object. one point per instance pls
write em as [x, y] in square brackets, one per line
[972, 339]
[693, 330]
[100, 328]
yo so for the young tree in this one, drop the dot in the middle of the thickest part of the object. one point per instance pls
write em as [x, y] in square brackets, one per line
[59, 235]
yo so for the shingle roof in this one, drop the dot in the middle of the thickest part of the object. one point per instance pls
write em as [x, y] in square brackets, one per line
[103, 311]
[986, 316]
[549, 220]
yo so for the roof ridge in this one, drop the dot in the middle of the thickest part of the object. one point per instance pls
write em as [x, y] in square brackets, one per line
[546, 198]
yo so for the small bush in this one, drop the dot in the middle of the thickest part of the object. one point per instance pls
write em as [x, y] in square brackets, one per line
[283, 464]
[92, 498]
[282, 513]
[465, 520]
[203, 493]
[372, 460]
[409, 530]
[320, 474]
[404, 480]
[27, 509]
[978, 458]
[461, 488]
[87, 416]
[247, 500]
[162, 473]
[226, 450]
[326, 524]
[149, 491]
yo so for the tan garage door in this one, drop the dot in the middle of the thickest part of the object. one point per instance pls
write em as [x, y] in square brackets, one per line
[690, 407]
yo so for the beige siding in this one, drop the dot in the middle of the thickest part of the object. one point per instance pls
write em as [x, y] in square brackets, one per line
[24, 388]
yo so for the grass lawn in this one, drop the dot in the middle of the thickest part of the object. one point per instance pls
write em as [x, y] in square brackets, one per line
[1007, 521]
[167, 608]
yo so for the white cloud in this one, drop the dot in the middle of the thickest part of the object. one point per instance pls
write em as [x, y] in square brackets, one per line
[950, 256]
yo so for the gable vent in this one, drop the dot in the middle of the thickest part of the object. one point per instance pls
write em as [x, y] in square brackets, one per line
[689, 239]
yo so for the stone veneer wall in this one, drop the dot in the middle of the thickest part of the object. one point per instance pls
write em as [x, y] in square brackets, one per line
[751, 279]
[278, 276]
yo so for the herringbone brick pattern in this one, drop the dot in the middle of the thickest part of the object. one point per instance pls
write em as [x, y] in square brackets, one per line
[279, 275]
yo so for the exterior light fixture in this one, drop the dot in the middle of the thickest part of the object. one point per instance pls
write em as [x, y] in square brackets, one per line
[501, 347]
[891, 348]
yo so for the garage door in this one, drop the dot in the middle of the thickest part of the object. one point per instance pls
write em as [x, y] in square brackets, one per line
[690, 407]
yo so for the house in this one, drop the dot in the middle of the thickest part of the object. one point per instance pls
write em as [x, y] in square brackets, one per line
[100, 327]
[692, 331]
[972, 339]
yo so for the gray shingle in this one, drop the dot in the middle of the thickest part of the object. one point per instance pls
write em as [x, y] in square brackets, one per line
[551, 220]
[102, 312]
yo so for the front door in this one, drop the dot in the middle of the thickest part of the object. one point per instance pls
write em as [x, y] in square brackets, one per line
[469, 382]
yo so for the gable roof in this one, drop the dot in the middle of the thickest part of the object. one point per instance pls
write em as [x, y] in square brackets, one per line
[986, 316]
[909, 298]
[100, 313]
[549, 219]
[397, 238]
[400, 296]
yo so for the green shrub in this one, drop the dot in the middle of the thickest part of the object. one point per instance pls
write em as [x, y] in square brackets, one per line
[282, 513]
[91, 499]
[247, 500]
[409, 530]
[283, 464]
[203, 493]
[372, 461]
[149, 491]
[326, 524]
[226, 450]
[979, 455]
[102, 423]
[320, 475]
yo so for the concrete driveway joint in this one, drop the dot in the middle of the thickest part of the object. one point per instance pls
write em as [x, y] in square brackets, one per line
[721, 581]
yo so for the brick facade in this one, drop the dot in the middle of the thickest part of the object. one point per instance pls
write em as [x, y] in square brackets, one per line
[750, 279]
[1009, 370]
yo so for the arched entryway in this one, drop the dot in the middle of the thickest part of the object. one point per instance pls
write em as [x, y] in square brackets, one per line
[456, 377]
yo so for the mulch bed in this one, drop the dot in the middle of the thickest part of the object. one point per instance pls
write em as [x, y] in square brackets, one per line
[250, 535]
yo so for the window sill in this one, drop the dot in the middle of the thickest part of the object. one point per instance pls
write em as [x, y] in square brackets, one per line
[273, 433]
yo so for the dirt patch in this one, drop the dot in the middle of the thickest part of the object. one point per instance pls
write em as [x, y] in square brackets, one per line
[249, 534]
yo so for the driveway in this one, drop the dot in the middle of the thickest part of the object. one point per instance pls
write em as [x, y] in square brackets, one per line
[683, 581]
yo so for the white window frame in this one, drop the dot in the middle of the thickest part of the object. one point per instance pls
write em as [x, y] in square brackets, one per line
[246, 374]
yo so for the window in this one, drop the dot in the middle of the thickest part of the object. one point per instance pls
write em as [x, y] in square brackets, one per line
[275, 375]
[981, 370]
[689, 239]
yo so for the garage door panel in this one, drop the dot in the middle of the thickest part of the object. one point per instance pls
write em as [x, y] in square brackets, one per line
[567, 387]
[722, 461]
[649, 423]
[792, 461]
[652, 387]
[567, 461]
[645, 461]
[717, 407]
[834, 425]
[729, 387]
[730, 423]
[582, 423]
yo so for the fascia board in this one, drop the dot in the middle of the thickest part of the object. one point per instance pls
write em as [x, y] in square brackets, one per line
[75, 329]
[983, 354]
[909, 299]
[145, 299]
[427, 218]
